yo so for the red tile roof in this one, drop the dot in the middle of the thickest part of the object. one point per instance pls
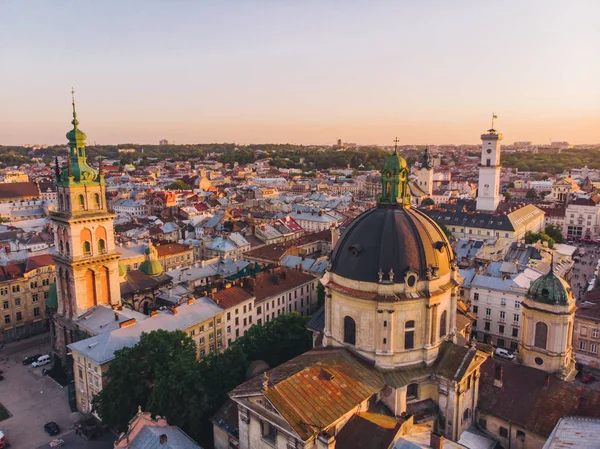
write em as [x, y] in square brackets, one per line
[168, 249]
[525, 401]
[19, 190]
[231, 297]
[36, 262]
[275, 282]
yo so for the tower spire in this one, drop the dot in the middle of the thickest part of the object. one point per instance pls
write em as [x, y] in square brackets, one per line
[396, 145]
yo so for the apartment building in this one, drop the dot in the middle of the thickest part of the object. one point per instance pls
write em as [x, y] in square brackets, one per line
[586, 333]
[201, 319]
[283, 290]
[24, 289]
[238, 311]
[175, 255]
[582, 218]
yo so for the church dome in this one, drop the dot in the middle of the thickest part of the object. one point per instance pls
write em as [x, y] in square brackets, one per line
[550, 289]
[151, 267]
[394, 163]
[387, 238]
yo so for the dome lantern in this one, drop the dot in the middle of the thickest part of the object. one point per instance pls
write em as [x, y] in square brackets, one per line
[394, 180]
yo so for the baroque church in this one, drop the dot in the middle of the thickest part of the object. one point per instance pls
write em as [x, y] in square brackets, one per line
[389, 365]
[387, 359]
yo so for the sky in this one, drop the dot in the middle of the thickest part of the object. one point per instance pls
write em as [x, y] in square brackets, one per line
[308, 71]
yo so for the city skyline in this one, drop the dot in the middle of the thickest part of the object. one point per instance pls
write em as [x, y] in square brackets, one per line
[261, 72]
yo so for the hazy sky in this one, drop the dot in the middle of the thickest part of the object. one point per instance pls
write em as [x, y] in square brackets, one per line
[305, 71]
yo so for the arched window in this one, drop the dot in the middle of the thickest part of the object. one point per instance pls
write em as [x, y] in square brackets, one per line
[443, 324]
[409, 334]
[81, 201]
[466, 414]
[541, 335]
[86, 248]
[61, 247]
[60, 201]
[349, 330]
[101, 246]
[412, 391]
[96, 201]
[67, 248]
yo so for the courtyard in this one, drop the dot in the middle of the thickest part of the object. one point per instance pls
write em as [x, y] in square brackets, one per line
[32, 399]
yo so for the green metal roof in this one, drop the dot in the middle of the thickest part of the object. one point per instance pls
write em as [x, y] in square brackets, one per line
[52, 300]
[550, 289]
[151, 267]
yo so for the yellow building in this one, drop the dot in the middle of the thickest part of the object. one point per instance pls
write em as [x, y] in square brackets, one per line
[201, 319]
[24, 289]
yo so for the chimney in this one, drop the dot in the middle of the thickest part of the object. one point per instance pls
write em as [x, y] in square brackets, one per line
[498, 376]
[325, 441]
[190, 301]
[436, 441]
[174, 310]
[116, 316]
[127, 323]
[163, 439]
[153, 313]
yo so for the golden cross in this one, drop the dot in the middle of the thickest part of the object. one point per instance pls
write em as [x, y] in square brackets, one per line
[396, 143]
[73, 94]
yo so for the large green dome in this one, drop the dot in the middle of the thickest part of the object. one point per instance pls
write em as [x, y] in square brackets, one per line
[550, 289]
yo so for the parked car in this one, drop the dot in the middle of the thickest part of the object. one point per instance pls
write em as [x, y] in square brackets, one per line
[43, 360]
[32, 358]
[586, 378]
[504, 354]
[52, 428]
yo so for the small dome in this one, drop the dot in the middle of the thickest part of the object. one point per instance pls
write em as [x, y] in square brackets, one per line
[394, 163]
[52, 300]
[550, 289]
[151, 267]
[256, 368]
[391, 238]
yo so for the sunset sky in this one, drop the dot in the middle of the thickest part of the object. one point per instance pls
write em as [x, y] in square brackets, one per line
[308, 71]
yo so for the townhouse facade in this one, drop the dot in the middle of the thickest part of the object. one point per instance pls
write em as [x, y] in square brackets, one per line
[24, 289]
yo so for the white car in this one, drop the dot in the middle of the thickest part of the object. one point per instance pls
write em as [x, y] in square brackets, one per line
[43, 360]
[504, 354]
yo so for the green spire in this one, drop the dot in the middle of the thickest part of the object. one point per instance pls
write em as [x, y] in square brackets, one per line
[394, 180]
[79, 171]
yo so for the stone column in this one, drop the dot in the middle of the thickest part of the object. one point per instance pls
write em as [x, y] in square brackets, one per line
[428, 325]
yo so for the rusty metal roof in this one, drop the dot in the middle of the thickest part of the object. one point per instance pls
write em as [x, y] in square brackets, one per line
[368, 429]
[316, 388]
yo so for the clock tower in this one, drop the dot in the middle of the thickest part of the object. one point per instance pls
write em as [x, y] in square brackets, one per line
[488, 192]
[87, 273]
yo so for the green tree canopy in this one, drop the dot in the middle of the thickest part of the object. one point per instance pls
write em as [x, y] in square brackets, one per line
[178, 185]
[555, 233]
[532, 237]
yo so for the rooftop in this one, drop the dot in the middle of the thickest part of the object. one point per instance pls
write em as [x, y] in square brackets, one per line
[101, 348]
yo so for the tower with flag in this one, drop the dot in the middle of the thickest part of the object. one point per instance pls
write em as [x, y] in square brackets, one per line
[488, 190]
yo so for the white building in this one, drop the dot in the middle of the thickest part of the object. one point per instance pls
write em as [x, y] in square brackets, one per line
[582, 218]
[134, 208]
[488, 193]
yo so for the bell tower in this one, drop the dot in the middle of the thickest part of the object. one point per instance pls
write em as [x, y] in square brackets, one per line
[425, 174]
[87, 272]
[488, 191]
[548, 319]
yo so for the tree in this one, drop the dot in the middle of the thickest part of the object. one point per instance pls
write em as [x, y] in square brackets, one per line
[151, 374]
[428, 202]
[178, 185]
[554, 232]
[533, 237]
[320, 294]
[531, 194]
[510, 185]
[507, 196]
